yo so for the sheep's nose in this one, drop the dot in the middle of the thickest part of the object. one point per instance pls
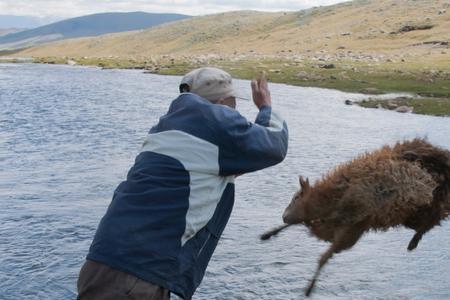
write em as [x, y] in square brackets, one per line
[288, 217]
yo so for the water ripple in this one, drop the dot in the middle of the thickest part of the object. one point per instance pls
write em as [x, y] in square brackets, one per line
[68, 136]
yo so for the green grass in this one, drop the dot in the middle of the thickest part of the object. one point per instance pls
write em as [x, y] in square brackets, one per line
[348, 76]
[424, 106]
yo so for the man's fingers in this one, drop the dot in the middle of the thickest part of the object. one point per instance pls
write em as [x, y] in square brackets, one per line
[255, 87]
[263, 81]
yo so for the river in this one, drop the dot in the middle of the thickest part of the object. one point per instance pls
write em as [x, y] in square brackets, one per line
[68, 136]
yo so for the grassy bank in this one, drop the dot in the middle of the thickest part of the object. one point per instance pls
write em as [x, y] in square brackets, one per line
[431, 80]
[423, 106]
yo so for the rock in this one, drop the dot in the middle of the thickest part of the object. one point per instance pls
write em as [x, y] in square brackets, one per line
[404, 109]
[71, 62]
[370, 91]
[391, 105]
[327, 66]
[408, 28]
[348, 102]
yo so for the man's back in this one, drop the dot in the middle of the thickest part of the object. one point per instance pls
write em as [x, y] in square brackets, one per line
[165, 220]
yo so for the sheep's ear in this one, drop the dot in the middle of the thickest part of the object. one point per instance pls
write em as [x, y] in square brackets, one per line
[304, 184]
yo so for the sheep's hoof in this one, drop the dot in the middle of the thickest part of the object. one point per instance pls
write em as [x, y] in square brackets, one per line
[413, 243]
[412, 246]
[265, 236]
[310, 288]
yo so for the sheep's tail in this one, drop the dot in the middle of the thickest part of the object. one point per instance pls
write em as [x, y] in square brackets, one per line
[274, 231]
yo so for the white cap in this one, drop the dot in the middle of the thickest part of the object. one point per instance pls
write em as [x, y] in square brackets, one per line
[209, 83]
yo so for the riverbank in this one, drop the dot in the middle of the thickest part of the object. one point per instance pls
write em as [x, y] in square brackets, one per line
[424, 79]
[423, 106]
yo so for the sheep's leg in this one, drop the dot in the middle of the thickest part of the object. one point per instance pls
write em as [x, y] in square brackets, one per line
[415, 240]
[421, 231]
[345, 238]
[323, 260]
[428, 218]
[273, 232]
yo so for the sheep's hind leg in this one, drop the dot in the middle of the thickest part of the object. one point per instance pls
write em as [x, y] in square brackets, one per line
[426, 218]
[415, 240]
[344, 238]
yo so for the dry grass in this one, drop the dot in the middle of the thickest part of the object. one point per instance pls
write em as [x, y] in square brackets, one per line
[374, 46]
[358, 30]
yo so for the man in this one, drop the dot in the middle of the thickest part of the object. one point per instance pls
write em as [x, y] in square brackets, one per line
[165, 220]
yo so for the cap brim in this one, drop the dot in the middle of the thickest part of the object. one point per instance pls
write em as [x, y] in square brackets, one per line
[242, 98]
[239, 96]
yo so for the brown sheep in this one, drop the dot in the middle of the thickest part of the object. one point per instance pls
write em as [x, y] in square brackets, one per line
[407, 184]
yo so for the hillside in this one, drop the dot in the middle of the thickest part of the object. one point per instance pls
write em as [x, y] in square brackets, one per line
[364, 46]
[5, 31]
[364, 29]
[91, 25]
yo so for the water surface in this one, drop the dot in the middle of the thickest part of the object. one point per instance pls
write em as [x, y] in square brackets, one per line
[68, 136]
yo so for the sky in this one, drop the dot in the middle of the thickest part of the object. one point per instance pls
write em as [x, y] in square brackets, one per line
[72, 8]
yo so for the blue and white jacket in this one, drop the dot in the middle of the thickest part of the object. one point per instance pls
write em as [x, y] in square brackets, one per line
[165, 220]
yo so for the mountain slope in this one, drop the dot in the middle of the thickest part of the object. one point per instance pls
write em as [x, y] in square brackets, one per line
[5, 31]
[91, 25]
[351, 30]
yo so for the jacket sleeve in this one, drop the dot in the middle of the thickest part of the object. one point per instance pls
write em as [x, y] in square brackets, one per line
[247, 147]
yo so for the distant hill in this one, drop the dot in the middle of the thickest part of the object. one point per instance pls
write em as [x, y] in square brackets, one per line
[5, 31]
[90, 25]
[358, 29]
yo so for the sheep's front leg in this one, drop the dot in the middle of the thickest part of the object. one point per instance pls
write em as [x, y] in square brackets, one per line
[273, 232]
[344, 238]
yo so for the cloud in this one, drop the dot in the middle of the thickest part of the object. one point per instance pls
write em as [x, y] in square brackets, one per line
[71, 8]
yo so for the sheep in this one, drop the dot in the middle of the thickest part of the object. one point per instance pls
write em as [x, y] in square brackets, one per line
[407, 184]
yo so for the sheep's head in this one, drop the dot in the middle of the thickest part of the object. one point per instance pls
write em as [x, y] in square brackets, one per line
[295, 211]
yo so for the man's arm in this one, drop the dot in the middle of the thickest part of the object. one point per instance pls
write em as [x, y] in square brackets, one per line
[250, 147]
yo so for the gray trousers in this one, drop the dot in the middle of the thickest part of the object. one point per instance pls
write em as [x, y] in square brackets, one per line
[100, 282]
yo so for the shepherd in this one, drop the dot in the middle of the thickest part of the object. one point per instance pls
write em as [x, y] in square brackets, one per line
[166, 218]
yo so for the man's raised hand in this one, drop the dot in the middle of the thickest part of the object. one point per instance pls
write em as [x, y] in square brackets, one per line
[260, 91]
